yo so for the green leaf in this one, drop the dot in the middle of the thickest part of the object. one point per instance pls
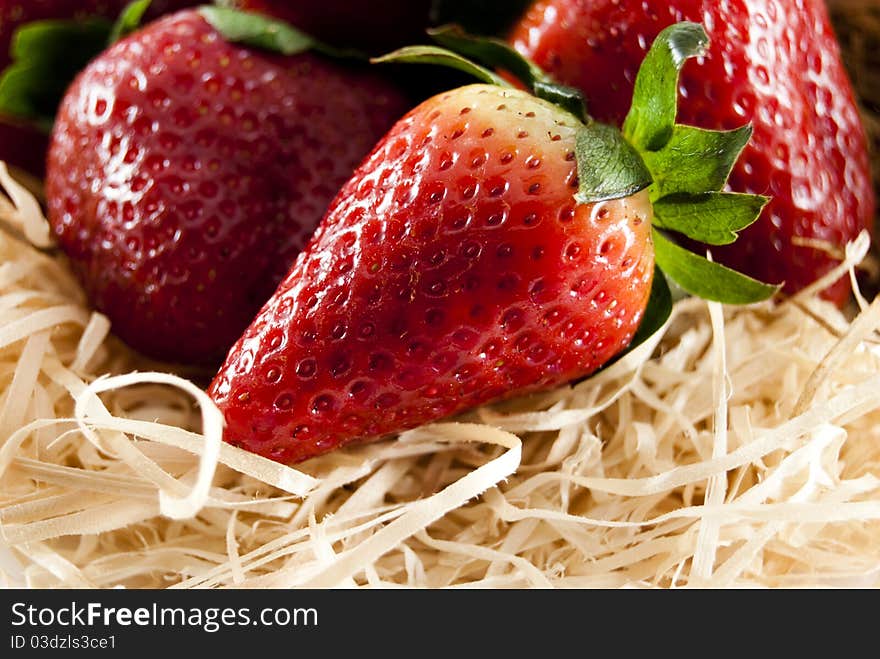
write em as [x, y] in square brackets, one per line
[651, 118]
[499, 54]
[257, 30]
[480, 56]
[129, 20]
[608, 166]
[694, 160]
[711, 217]
[568, 98]
[47, 55]
[488, 51]
[267, 33]
[706, 279]
[441, 57]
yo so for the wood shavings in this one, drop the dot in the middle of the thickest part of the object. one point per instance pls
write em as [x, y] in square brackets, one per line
[738, 447]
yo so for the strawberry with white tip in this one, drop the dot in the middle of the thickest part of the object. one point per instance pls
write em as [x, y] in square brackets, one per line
[493, 244]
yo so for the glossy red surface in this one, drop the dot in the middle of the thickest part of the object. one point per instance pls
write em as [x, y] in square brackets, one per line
[774, 63]
[186, 173]
[454, 269]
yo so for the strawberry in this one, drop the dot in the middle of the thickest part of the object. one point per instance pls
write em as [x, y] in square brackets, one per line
[186, 172]
[21, 143]
[451, 296]
[775, 64]
[491, 245]
[376, 26]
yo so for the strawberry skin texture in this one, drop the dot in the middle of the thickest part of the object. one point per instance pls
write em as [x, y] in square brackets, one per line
[454, 269]
[21, 144]
[185, 174]
[774, 64]
[375, 25]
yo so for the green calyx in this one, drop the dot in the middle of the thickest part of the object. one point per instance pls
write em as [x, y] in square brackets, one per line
[46, 56]
[687, 170]
[684, 169]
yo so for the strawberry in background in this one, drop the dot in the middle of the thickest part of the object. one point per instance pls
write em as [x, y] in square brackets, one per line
[23, 144]
[774, 64]
[186, 172]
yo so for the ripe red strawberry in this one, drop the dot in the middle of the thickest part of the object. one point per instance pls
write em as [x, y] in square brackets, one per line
[186, 172]
[376, 25]
[22, 144]
[774, 64]
[454, 267]
[491, 245]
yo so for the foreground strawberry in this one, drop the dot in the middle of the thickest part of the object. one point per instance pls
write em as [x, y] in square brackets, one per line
[774, 64]
[491, 245]
[186, 173]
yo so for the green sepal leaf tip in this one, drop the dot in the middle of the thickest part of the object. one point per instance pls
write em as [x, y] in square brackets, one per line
[695, 160]
[706, 279]
[47, 55]
[608, 166]
[441, 57]
[568, 98]
[265, 33]
[713, 218]
[654, 108]
[129, 20]
[498, 54]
